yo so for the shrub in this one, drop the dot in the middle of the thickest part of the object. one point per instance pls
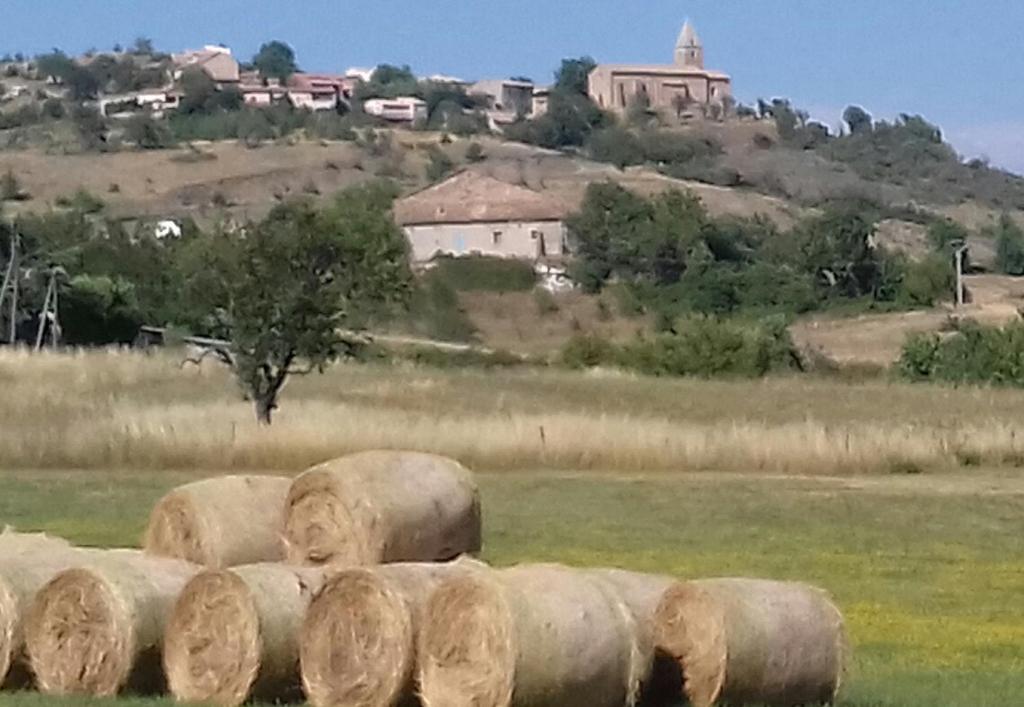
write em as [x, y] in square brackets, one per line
[615, 145]
[974, 354]
[148, 134]
[486, 274]
[919, 357]
[82, 201]
[475, 152]
[99, 310]
[437, 313]
[929, 280]
[710, 347]
[439, 166]
[944, 233]
[10, 188]
[587, 351]
[1009, 240]
[546, 302]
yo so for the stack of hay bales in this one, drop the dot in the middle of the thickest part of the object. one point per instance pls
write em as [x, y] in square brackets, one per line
[351, 584]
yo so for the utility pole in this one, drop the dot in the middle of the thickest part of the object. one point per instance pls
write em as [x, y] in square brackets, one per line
[50, 312]
[958, 255]
[12, 278]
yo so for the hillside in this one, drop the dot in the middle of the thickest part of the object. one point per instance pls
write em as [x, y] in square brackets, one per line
[206, 181]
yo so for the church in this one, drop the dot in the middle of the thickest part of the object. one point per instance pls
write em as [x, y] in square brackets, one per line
[676, 87]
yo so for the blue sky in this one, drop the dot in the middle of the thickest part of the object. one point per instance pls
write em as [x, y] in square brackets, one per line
[959, 63]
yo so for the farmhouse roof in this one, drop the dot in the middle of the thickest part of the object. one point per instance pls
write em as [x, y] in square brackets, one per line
[469, 197]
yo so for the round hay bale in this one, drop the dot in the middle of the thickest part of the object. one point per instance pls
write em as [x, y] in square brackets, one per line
[358, 642]
[234, 634]
[27, 562]
[642, 593]
[221, 522]
[531, 635]
[378, 507]
[97, 629]
[743, 641]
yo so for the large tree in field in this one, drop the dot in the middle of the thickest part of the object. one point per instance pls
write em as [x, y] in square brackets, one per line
[299, 278]
[275, 60]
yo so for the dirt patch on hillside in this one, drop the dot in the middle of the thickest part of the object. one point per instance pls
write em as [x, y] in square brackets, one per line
[877, 339]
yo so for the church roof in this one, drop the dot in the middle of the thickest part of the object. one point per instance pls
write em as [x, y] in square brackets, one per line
[662, 70]
[469, 197]
[688, 37]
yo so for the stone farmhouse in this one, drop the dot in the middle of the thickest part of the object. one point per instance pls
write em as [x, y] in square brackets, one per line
[216, 61]
[676, 87]
[473, 214]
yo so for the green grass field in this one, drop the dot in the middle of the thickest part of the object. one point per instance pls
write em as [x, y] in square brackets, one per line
[928, 569]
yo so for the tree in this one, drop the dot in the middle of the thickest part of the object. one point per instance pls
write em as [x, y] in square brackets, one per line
[147, 134]
[91, 128]
[1009, 240]
[616, 145]
[440, 165]
[143, 46]
[946, 234]
[836, 249]
[54, 66]
[574, 75]
[275, 60]
[858, 120]
[299, 277]
[475, 152]
[10, 188]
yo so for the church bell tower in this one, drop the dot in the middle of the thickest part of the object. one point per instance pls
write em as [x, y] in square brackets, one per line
[689, 50]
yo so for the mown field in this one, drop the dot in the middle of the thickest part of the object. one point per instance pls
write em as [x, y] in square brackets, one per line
[922, 553]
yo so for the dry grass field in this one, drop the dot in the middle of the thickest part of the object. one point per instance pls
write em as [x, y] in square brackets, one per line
[904, 501]
[111, 410]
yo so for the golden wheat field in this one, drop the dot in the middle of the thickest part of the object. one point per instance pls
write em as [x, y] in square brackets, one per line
[104, 410]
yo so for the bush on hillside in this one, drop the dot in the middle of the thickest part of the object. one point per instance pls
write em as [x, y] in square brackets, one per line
[1009, 238]
[974, 354]
[705, 347]
[928, 281]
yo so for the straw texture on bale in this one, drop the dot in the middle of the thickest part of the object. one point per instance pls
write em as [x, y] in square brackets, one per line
[359, 640]
[221, 522]
[234, 634]
[27, 562]
[642, 594]
[97, 629]
[744, 641]
[531, 635]
[382, 506]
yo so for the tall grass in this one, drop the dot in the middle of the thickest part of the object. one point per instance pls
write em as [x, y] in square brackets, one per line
[125, 410]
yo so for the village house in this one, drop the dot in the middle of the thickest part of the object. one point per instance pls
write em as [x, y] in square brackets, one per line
[404, 109]
[320, 91]
[675, 87]
[473, 214]
[216, 61]
[541, 101]
[507, 100]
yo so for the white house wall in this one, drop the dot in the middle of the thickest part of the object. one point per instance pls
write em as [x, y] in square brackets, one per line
[506, 240]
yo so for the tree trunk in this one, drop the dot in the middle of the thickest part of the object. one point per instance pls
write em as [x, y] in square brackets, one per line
[265, 406]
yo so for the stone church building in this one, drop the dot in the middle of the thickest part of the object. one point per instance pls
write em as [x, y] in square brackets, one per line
[675, 87]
